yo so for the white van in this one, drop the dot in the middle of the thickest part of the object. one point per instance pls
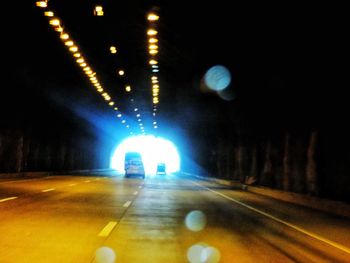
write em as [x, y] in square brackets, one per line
[134, 165]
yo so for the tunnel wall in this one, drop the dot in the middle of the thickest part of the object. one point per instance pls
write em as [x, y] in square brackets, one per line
[308, 162]
[31, 151]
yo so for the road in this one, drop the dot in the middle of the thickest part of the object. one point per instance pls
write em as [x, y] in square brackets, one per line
[170, 218]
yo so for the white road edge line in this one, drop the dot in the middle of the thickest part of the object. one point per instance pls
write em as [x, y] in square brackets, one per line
[107, 229]
[48, 190]
[127, 204]
[8, 199]
[308, 233]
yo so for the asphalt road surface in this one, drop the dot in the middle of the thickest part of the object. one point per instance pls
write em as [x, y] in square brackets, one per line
[164, 218]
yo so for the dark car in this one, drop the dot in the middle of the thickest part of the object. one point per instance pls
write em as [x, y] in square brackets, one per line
[161, 168]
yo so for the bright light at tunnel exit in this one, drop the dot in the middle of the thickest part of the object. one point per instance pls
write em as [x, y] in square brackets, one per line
[153, 150]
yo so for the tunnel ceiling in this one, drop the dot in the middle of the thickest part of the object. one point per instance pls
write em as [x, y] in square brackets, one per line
[268, 49]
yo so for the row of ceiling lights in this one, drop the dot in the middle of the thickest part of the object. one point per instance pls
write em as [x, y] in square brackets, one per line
[153, 48]
[128, 89]
[153, 51]
[80, 59]
[98, 11]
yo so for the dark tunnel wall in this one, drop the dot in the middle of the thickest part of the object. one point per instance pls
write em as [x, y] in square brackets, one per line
[48, 150]
[308, 162]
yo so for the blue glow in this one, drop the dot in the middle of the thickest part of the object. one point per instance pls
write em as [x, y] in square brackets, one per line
[153, 150]
[217, 78]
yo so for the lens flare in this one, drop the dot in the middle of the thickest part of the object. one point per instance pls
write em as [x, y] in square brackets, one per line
[210, 255]
[194, 253]
[217, 78]
[153, 150]
[227, 94]
[105, 255]
[202, 253]
[195, 220]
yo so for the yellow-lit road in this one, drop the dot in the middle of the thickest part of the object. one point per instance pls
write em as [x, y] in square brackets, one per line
[161, 219]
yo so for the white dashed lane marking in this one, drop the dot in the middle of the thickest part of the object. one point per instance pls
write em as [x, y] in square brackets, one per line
[8, 199]
[48, 190]
[127, 204]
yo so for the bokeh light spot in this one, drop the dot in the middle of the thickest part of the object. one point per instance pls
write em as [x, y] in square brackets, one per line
[203, 253]
[217, 78]
[227, 94]
[194, 253]
[195, 220]
[210, 255]
[105, 255]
